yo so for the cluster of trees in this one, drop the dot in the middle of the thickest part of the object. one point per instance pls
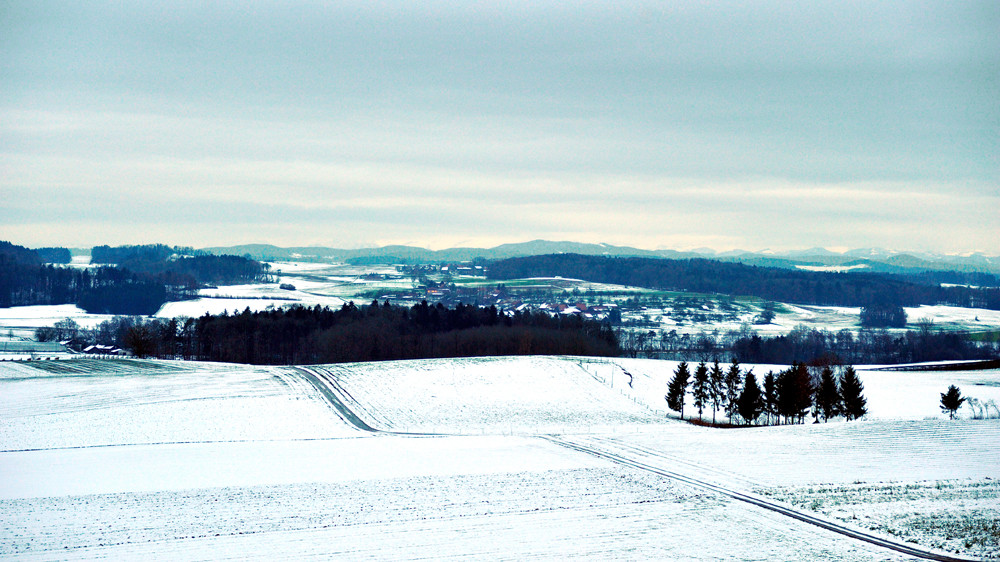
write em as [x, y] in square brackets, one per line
[26, 280]
[881, 315]
[777, 284]
[182, 266]
[866, 346]
[810, 345]
[138, 288]
[787, 397]
[302, 335]
[54, 255]
[204, 269]
[117, 255]
[145, 337]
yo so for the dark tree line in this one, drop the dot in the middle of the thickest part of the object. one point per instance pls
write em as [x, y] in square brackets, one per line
[811, 345]
[302, 335]
[180, 266]
[103, 290]
[867, 346]
[771, 283]
[26, 280]
[117, 255]
[54, 255]
[204, 269]
[788, 397]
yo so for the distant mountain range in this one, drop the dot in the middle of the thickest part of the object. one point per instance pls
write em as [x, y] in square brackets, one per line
[875, 260]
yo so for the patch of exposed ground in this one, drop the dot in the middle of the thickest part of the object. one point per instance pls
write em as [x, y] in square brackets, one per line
[961, 516]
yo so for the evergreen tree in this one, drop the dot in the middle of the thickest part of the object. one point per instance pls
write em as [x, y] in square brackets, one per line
[951, 401]
[677, 388]
[794, 393]
[783, 395]
[828, 400]
[770, 397]
[716, 387]
[851, 393]
[750, 404]
[733, 382]
[700, 387]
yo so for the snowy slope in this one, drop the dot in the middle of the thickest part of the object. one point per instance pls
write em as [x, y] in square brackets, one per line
[129, 459]
[488, 395]
[88, 402]
[599, 513]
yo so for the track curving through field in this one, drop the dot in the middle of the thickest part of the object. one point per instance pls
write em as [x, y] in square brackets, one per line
[338, 397]
[759, 501]
[331, 390]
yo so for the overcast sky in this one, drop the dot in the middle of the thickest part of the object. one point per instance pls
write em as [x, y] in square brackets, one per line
[651, 124]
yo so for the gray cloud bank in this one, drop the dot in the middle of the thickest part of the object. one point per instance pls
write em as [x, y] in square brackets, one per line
[652, 124]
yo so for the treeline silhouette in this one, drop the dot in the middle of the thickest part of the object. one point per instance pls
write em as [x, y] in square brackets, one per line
[303, 335]
[140, 288]
[868, 346]
[816, 346]
[103, 290]
[202, 269]
[117, 255]
[181, 265]
[710, 276]
[54, 255]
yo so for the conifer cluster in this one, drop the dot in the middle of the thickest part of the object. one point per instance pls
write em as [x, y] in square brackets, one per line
[788, 397]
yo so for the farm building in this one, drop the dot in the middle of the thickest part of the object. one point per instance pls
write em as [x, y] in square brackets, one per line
[15, 350]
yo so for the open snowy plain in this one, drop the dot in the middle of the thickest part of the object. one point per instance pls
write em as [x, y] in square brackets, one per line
[499, 458]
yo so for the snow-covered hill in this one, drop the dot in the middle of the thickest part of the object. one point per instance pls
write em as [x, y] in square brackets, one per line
[174, 460]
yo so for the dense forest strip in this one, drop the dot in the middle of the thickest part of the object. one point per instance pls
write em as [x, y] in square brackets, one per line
[139, 287]
[959, 366]
[300, 335]
[777, 284]
[813, 346]
[307, 336]
[291, 336]
[116, 255]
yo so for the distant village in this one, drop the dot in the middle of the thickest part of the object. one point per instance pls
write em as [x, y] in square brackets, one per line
[449, 294]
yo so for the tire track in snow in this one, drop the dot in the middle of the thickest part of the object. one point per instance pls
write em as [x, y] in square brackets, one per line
[725, 475]
[330, 390]
[753, 499]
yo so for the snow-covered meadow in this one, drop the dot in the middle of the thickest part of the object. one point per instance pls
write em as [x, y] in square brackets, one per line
[88, 402]
[23, 321]
[165, 459]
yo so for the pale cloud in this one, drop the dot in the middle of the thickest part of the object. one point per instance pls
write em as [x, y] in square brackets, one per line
[649, 124]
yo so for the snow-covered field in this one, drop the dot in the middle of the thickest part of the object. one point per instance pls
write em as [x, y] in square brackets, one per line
[128, 459]
[339, 280]
[29, 318]
[90, 402]
[490, 395]
[788, 317]
[256, 297]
